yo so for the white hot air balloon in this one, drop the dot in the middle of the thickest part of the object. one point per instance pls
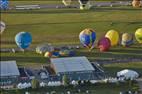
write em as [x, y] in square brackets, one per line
[2, 27]
[67, 2]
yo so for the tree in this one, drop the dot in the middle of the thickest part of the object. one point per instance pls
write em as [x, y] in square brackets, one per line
[65, 80]
[35, 83]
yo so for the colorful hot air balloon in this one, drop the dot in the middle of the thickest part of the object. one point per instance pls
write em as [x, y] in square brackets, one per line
[23, 40]
[87, 38]
[48, 54]
[104, 44]
[2, 27]
[138, 35]
[113, 37]
[67, 2]
[127, 39]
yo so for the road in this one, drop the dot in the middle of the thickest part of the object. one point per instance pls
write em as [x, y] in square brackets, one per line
[94, 4]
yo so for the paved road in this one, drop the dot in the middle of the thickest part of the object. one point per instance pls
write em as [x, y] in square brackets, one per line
[99, 4]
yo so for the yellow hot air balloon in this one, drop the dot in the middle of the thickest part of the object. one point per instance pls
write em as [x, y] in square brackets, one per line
[138, 35]
[113, 36]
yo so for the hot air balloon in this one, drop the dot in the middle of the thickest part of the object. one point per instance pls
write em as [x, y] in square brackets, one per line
[84, 4]
[136, 3]
[2, 27]
[104, 44]
[66, 52]
[113, 37]
[87, 38]
[138, 35]
[23, 40]
[4, 4]
[48, 54]
[127, 40]
[67, 2]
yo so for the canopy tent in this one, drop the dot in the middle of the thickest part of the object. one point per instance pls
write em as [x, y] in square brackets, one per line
[128, 74]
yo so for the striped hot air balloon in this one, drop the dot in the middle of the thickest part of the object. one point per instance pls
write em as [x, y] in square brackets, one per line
[127, 40]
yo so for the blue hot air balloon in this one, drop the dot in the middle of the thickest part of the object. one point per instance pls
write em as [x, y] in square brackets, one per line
[87, 38]
[23, 40]
[4, 4]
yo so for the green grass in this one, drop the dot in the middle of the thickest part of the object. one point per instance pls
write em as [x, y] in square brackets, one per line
[62, 26]
[49, 25]
[112, 69]
[52, 24]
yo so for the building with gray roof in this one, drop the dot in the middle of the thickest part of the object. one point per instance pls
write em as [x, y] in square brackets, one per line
[76, 68]
[9, 72]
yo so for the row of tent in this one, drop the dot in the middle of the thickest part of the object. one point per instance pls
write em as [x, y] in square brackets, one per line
[121, 76]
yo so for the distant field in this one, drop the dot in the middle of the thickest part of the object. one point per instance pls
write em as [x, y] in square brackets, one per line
[62, 27]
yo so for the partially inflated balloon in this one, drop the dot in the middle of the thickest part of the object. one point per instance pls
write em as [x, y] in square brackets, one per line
[2, 27]
[23, 39]
[104, 44]
[113, 37]
[67, 2]
[48, 54]
[138, 35]
[87, 38]
[84, 4]
[127, 39]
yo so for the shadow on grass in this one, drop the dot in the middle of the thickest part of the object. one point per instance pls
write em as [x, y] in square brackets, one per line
[25, 59]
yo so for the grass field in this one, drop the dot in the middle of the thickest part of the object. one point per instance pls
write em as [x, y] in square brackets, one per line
[62, 27]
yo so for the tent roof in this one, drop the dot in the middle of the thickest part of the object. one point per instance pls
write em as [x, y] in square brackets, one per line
[8, 68]
[71, 64]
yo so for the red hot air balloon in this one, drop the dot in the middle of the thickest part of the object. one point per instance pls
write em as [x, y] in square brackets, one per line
[104, 44]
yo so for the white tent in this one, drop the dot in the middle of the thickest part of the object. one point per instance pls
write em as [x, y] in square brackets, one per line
[128, 74]
[42, 84]
[74, 82]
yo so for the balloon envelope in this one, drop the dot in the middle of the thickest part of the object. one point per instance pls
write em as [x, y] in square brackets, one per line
[136, 3]
[87, 38]
[4, 4]
[2, 27]
[138, 35]
[127, 39]
[113, 37]
[23, 39]
[67, 2]
[104, 44]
